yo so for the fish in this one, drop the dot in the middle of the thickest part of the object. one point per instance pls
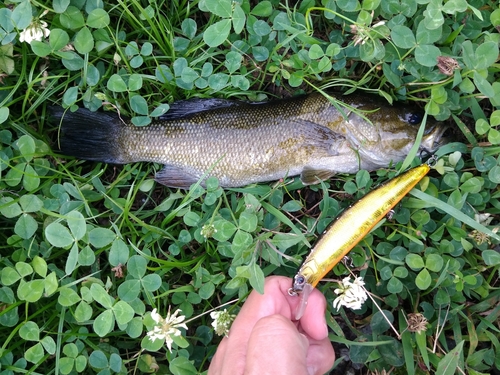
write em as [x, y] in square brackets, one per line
[348, 229]
[241, 143]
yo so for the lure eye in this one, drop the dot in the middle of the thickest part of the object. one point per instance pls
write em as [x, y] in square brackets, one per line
[413, 118]
[300, 280]
[298, 283]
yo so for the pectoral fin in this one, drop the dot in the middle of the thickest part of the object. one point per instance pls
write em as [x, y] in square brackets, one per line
[176, 177]
[310, 176]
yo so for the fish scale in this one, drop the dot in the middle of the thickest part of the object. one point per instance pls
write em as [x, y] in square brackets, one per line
[264, 155]
[242, 143]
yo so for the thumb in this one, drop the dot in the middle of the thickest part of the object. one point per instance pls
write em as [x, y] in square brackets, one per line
[276, 347]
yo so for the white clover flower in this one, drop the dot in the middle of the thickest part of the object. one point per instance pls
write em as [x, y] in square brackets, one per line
[38, 30]
[362, 32]
[222, 321]
[351, 295]
[380, 23]
[166, 328]
[483, 218]
[481, 237]
[208, 230]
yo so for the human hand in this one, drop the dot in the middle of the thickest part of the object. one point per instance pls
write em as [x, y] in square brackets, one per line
[264, 338]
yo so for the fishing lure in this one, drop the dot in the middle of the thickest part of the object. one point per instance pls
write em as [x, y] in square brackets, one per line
[348, 229]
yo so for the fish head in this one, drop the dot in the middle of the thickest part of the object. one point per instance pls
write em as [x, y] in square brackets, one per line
[434, 137]
[390, 133]
[408, 127]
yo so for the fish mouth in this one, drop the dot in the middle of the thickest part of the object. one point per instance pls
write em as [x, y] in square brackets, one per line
[437, 136]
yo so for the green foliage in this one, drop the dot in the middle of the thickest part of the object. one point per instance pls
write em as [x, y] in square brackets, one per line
[88, 250]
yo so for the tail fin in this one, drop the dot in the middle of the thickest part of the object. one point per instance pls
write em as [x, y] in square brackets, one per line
[89, 135]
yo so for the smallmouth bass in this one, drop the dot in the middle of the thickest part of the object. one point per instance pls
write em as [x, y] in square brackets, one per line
[242, 143]
[349, 228]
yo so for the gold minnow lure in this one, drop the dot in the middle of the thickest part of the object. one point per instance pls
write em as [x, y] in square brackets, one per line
[348, 229]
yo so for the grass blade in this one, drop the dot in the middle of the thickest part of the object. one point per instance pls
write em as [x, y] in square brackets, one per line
[449, 363]
[457, 214]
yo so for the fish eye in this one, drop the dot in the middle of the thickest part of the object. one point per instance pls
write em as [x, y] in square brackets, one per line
[413, 118]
